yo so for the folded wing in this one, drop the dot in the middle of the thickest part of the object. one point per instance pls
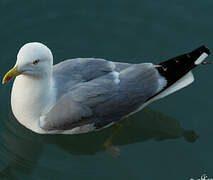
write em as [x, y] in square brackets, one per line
[104, 99]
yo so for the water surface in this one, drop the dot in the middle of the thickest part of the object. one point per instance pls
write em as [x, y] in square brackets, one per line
[152, 142]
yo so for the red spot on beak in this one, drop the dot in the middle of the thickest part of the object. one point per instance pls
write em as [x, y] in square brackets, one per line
[8, 78]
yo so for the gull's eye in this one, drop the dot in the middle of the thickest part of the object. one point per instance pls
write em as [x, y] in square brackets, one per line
[36, 62]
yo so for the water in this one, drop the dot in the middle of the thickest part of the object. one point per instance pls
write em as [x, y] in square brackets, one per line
[152, 142]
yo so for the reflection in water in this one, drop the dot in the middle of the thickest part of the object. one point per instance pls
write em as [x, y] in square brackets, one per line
[22, 148]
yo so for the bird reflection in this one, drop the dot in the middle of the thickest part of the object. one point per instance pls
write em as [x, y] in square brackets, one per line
[22, 148]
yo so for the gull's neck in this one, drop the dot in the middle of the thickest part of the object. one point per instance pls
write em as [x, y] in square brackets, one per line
[31, 97]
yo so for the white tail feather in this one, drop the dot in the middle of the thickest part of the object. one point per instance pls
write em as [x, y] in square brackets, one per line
[181, 83]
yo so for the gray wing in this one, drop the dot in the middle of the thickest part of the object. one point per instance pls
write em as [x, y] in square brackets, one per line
[104, 100]
[73, 71]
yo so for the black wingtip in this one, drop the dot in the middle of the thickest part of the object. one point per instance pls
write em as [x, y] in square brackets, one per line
[198, 52]
[202, 49]
[191, 56]
[175, 68]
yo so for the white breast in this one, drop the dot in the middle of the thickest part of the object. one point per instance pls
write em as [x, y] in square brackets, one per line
[29, 99]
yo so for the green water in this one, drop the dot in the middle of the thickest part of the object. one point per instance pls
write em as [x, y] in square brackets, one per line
[151, 143]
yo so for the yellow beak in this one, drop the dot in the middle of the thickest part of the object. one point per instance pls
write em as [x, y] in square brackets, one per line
[11, 74]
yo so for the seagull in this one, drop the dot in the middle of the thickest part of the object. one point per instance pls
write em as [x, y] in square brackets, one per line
[88, 94]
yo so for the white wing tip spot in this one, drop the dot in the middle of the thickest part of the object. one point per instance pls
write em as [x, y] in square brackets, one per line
[201, 58]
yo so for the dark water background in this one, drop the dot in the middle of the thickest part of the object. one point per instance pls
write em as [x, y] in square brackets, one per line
[151, 143]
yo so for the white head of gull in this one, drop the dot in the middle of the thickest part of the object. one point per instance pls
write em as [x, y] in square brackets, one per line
[32, 92]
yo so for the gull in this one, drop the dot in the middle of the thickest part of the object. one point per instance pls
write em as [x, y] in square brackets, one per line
[88, 94]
